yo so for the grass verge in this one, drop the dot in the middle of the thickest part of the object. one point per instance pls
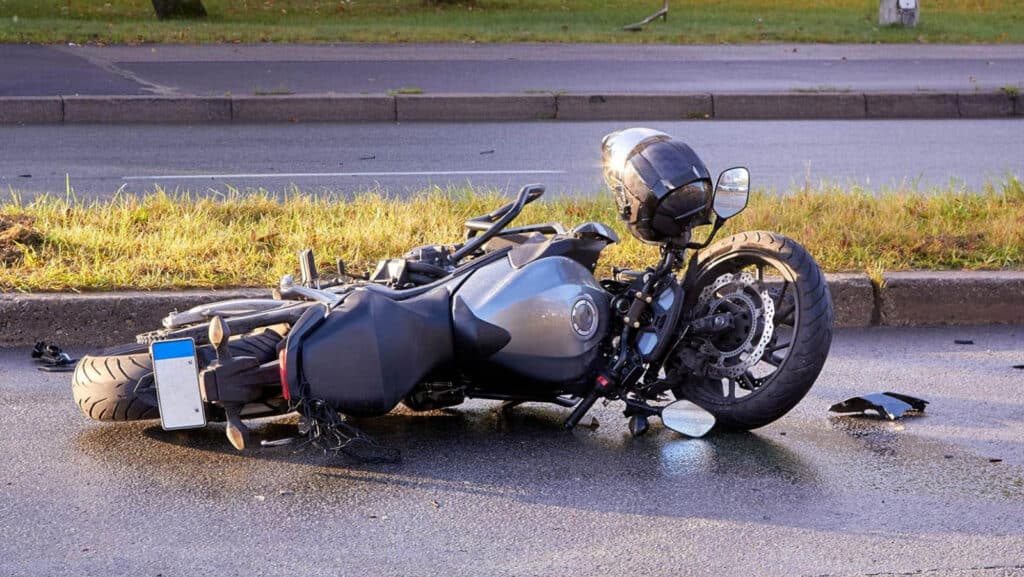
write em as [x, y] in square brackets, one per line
[732, 21]
[160, 241]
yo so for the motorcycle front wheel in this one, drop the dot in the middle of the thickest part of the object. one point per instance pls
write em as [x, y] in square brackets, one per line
[762, 367]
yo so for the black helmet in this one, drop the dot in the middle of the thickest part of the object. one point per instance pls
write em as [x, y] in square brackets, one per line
[660, 184]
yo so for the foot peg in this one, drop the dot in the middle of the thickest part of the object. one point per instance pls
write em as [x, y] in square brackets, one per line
[238, 433]
[224, 382]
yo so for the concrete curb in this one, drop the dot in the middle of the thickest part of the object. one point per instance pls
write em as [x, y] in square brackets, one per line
[906, 299]
[312, 109]
[449, 107]
[951, 298]
[634, 106]
[478, 107]
[912, 105]
[145, 109]
[96, 319]
[31, 109]
[790, 106]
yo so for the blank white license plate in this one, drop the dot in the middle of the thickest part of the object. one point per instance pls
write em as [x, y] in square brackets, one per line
[176, 373]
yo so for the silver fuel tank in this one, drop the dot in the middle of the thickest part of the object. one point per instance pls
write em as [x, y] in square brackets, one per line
[543, 321]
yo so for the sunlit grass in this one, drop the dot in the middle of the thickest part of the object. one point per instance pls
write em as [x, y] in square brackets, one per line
[163, 240]
[716, 21]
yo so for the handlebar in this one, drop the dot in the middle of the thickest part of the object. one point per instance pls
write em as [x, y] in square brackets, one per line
[492, 223]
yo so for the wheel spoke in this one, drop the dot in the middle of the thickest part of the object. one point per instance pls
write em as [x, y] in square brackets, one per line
[771, 360]
[783, 315]
[760, 273]
[778, 347]
[748, 380]
[732, 389]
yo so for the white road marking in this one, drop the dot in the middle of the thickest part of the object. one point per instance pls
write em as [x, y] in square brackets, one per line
[339, 174]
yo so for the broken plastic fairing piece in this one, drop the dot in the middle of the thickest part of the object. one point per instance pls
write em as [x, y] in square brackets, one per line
[887, 405]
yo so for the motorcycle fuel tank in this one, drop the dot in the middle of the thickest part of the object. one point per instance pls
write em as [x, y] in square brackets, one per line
[543, 321]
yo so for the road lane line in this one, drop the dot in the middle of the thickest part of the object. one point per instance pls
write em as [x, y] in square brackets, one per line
[339, 174]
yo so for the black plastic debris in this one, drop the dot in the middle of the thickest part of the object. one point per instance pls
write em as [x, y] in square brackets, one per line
[1020, 367]
[51, 359]
[963, 341]
[887, 405]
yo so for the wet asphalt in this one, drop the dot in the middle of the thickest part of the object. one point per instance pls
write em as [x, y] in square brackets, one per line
[479, 493]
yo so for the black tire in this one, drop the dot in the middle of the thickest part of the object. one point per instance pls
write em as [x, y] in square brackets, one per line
[104, 383]
[808, 306]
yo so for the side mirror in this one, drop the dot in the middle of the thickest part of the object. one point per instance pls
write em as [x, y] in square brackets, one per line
[687, 418]
[732, 192]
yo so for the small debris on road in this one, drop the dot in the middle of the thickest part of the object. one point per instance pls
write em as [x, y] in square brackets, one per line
[487, 152]
[886, 405]
[963, 341]
[24, 176]
[995, 460]
[1021, 367]
[261, 498]
[369, 157]
[277, 442]
[285, 493]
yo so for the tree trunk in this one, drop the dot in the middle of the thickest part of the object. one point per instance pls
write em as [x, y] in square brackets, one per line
[179, 9]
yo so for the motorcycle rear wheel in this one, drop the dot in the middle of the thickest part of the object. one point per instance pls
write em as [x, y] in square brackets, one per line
[802, 330]
[104, 383]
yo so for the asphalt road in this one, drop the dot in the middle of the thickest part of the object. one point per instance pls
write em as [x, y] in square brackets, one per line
[433, 68]
[397, 158]
[482, 494]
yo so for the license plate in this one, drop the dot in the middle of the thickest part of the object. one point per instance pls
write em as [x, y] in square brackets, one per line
[176, 373]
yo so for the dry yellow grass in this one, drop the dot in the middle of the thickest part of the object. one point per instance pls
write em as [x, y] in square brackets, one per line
[166, 241]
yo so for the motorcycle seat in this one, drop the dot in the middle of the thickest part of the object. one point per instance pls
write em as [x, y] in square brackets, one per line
[404, 294]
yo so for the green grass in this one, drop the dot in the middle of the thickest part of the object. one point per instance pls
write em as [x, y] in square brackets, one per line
[161, 240]
[711, 21]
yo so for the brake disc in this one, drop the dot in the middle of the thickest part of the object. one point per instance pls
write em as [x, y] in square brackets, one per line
[741, 291]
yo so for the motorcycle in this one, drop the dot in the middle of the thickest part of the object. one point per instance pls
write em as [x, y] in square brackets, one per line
[731, 334]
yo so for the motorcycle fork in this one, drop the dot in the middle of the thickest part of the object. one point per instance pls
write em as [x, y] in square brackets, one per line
[618, 381]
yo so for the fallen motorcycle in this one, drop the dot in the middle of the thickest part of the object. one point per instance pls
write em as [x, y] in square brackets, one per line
[732, 334]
